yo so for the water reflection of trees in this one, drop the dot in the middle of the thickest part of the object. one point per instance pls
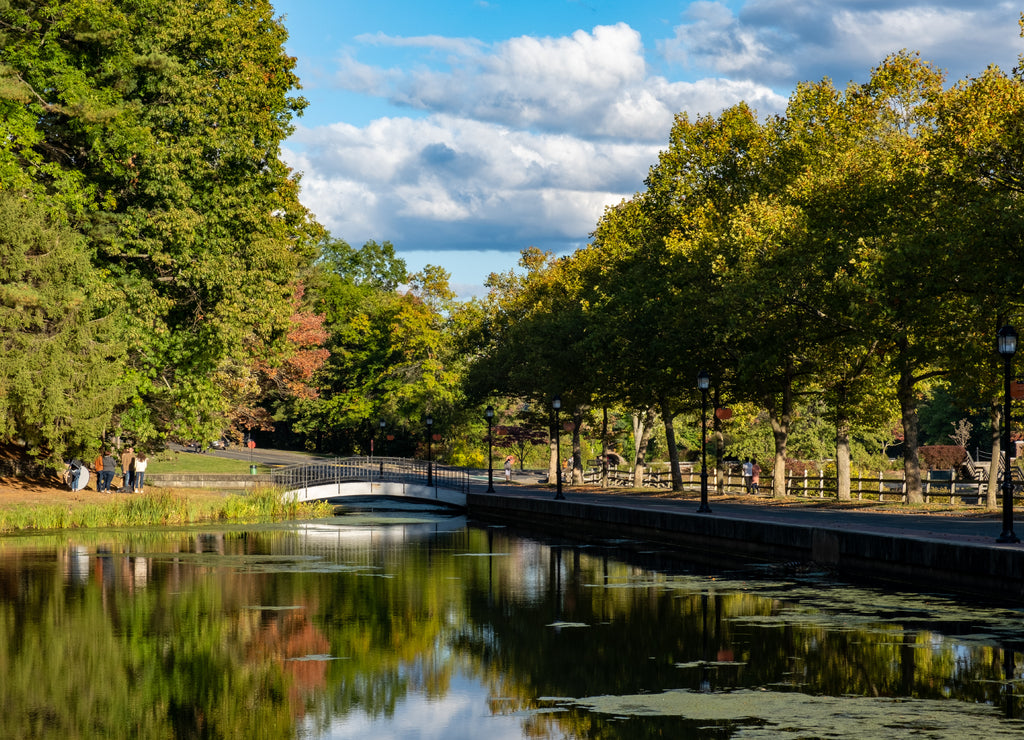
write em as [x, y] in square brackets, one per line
[239, 635]
[657, 634]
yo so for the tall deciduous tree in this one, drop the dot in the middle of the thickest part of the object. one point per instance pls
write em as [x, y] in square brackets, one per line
[157, 125]
[979, 169]
[391, 353]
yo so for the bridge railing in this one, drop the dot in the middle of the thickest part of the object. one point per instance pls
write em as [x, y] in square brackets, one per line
[382, 469]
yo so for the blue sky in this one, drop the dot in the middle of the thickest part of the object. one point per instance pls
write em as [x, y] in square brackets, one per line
[464, 131]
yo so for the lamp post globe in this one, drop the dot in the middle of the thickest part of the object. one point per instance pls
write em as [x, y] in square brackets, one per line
[556, 405]
[1006, 343]
[703, 383]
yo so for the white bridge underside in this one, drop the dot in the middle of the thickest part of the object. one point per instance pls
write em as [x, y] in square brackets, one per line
[390, 489]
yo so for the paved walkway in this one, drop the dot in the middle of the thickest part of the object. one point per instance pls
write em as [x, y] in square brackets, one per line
[975, 526]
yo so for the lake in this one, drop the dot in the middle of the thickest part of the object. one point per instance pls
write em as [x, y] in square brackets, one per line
[418, 626]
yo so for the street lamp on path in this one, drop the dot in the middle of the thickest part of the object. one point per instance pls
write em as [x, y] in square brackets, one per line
[383, 447]
[489, 413]
[1006, 341]
[703, 382]
[430, 467]
[556, 404]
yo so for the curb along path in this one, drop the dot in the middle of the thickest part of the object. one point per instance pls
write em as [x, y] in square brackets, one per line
[917, 551]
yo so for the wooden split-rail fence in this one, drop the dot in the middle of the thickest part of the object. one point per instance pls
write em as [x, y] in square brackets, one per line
[939, 485]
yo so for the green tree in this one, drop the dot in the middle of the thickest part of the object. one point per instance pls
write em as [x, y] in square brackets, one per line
[980, 173]
[60, 371]
[157, 126]
[392, 355]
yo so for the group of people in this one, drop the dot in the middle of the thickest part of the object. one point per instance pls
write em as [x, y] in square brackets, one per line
[751, 475]
[133, 470]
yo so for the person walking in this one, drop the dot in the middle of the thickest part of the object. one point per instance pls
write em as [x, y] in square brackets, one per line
[139, 478]
[127, 462]
[748, 474]
[755, 476]
[107, 471]
[508, 468]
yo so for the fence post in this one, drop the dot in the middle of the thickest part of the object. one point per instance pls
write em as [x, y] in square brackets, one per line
[952, 484]
[821, 484]
[881, 486]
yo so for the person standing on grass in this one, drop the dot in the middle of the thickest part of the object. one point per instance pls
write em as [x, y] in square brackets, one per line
[139, 478]
[107, 471]
[97, 468]
[127, 461]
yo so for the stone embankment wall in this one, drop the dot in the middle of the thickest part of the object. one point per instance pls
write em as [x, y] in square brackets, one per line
[919, 563]
[222, 481]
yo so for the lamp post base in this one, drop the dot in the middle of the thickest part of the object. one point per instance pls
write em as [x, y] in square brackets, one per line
[558, 489]
[705, 507]
[1008, 535]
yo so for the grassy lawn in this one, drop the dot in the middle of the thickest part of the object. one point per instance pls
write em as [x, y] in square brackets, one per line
[191, 462]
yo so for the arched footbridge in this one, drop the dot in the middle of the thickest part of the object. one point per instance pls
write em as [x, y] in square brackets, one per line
[387, 477]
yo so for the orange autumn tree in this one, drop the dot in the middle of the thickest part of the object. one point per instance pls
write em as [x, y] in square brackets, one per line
[267, 384]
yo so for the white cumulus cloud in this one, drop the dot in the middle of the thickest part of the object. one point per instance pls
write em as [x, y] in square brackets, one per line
[782, 42]
[526, 140]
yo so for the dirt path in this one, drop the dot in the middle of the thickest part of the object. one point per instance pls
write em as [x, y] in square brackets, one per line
[16, 492]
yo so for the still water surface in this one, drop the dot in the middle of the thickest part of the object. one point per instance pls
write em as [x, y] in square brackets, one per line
[420, 627]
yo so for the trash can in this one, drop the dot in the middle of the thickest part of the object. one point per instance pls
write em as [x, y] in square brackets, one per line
[252, 469]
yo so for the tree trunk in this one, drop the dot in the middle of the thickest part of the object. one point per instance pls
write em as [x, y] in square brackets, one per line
[577, 456]
[719, 447]
[911, 460]
[996, 414]
[642, 437]
[605, 449]
[780, 431]
[670, 442]
[780, 421]
[553, 461]
[842, 447]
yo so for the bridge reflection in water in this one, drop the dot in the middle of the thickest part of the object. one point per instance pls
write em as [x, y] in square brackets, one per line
[388, 477]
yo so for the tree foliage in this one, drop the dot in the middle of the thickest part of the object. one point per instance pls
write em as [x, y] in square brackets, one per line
[59, 379]
[849, 250]
[157, 127]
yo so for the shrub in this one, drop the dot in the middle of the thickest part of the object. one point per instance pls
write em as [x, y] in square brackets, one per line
[941, 457]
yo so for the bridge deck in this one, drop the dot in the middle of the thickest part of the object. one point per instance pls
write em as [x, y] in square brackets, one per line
[363, 476]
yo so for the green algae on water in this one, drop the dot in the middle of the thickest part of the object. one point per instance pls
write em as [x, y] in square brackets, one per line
[793, 716]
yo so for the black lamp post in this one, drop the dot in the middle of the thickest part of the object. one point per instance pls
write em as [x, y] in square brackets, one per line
[1006, 341]
[703, 382]
[383, 446]
[556, 404]
[430, 460]
[489, 413]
